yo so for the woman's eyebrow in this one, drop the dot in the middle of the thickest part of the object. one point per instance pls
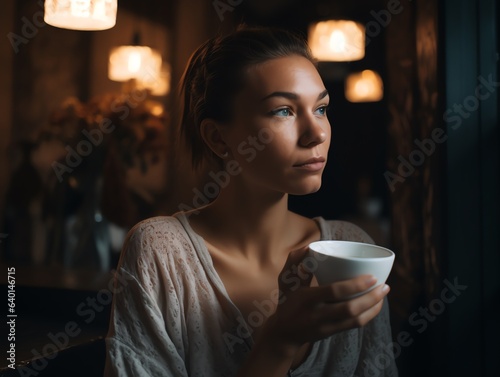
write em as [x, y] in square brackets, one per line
[288, 95]
[292, 96]
[323, 94]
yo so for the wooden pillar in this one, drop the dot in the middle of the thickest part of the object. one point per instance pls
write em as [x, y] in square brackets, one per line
[414, 166]
[430, 124]
[401, 89]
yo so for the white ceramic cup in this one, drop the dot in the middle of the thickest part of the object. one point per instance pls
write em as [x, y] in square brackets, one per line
[342, 260]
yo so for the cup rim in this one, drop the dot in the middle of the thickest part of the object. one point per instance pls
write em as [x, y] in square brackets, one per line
[391, 253]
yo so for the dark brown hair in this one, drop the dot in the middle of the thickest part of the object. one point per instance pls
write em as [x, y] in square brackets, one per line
[215, 74]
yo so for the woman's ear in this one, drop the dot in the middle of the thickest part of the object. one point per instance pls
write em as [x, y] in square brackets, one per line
[210, 131]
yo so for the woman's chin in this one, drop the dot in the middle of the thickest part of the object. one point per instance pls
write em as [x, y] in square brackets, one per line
[306, 189]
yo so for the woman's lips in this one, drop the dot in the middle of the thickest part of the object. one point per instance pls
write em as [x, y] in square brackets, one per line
[313, 164]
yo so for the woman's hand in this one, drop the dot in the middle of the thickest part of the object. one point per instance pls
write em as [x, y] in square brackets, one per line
[307, 314]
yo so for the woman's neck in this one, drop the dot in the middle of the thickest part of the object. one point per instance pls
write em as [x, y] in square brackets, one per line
[251, 222]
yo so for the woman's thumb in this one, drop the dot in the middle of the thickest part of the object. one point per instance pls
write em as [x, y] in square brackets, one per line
[294, 275]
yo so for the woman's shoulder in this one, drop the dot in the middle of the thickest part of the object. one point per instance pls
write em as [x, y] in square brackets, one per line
[155, 227]
[163, 235]
[343, 231]
[335, 229]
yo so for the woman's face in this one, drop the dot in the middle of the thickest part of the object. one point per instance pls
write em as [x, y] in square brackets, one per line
[279, 132]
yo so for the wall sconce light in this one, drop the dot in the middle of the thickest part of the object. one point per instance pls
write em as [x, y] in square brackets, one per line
[365, 86]
[81, 14]
[134, 62]
[142, 64]
[337, 40]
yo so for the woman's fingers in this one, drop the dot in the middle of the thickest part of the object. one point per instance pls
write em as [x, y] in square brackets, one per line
[332, 318]
[316, 312]
[342, 290]
[356, 307]
[330, 327]
[294, 275]
[312, 313]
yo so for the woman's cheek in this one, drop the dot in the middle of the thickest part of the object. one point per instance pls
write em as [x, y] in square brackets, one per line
[246, 151]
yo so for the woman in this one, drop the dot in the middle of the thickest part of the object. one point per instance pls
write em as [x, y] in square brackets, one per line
[221, 291]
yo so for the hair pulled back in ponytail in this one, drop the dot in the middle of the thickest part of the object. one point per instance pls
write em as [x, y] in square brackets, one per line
[215, 74]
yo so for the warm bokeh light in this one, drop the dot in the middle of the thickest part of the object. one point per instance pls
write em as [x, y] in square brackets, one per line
[365, 86]
[160, 86]
[337, 40]
[142, 64]
[81, 14]
[134, 62]
[157, 110]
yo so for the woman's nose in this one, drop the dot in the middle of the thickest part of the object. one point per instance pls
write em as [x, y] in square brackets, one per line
[313, 133]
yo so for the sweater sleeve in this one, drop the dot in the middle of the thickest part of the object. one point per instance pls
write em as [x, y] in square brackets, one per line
[376, 357]
[145, 335]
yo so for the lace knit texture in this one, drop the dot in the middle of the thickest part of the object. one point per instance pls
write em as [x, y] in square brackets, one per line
[172, 315]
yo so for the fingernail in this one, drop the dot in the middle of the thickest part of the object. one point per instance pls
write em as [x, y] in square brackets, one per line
[385, 288]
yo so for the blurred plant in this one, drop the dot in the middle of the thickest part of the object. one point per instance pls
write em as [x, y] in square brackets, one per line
[118, 179]
[134, 178]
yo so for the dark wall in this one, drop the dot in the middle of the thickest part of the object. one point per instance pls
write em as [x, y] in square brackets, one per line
[473, 175]
[50, 65]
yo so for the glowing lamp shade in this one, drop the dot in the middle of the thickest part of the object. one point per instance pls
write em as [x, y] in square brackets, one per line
[81, 14]
[365, 86]
[134, 62]
[142, 64]
[337, 40]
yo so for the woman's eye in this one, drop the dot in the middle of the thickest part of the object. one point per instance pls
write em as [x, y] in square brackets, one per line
[282, 112]
[322, 110]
